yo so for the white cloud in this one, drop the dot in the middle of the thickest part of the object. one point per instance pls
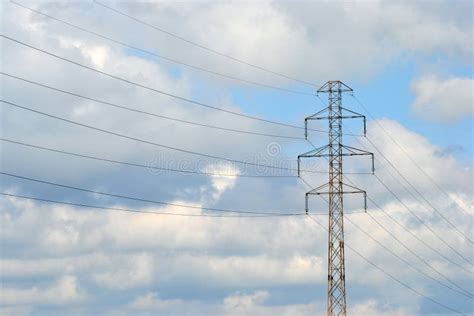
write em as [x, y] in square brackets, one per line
[98, 55]
[371, 307]
[16, 310]
[235, 304]
[444, 100]
[64, 291]
[150, 301]
[134, 271]
[253, 304]
[220, 184]
[241, 303]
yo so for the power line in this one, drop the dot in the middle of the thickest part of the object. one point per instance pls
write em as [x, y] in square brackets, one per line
[392, 276]
[145, 112]
[155, 114]
[166, 93]
[462, 292]
[172, 60]
[409, 157]
[150, 88]
[423, 222]
[409, 231]
[401, 243]
[149, 167]
[141, 140]
[419, 194]
[411, 193]
[150, 142]
[406, 180]
[133, 210]
[205, 47]
[182, 214]
[266, 214]
[418, 238]
[419, 219]
[145, 200]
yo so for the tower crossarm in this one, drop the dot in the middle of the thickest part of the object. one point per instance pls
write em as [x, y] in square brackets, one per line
[323, 151]
[346, 189]
[319, 116]
[330, 87]
[312, 153]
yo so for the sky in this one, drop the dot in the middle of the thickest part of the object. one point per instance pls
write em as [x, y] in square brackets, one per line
[410, 67]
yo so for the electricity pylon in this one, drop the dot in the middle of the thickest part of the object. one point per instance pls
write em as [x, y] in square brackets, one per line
[336, 188]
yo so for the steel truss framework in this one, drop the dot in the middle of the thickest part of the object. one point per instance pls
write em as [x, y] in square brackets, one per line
[335, 150]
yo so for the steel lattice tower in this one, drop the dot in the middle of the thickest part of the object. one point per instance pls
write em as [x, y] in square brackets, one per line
[335, 188]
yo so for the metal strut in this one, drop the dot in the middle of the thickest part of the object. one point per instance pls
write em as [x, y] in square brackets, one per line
[335, 188]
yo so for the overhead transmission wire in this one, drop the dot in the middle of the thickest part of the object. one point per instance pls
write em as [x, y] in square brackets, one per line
[152, 89]
[142, 140]
[409, 156]
[396, 221]
[409, 209]
[411, 233]
[254, 214]
[121, 43]
[131, 210]
[204, 47]
[404, 204]
[145, 112]
[407, 286]
[413, 212]
[417, 191]
[127, 197]
[150, 212]
[459, 289]
[172, 60]
[423, 222]
[12, 175]
[150, 142]
[149, 166]
[419, 257]
[421, 195]
[167, 93]
[462, 291]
